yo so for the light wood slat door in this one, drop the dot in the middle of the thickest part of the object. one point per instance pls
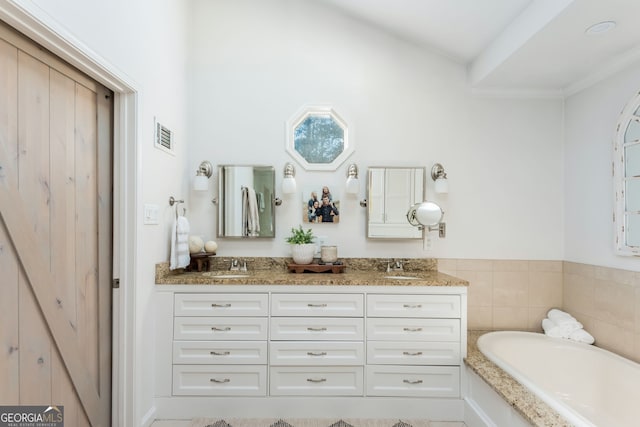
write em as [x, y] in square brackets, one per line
[55, 234]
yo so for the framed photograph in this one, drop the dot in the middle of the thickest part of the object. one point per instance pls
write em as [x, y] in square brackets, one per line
[320, 205]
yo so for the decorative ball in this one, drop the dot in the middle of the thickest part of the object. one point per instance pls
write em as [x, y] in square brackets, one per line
[210, 246]
[195, 244]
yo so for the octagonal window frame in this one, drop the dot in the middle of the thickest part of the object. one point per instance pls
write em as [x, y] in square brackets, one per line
[323, 111]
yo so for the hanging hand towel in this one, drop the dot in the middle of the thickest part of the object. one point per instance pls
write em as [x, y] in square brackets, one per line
[180, 257]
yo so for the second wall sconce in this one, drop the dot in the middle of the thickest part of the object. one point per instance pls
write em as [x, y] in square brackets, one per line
[353, 183]
[289, 181]
[201, 180]
[439, 176]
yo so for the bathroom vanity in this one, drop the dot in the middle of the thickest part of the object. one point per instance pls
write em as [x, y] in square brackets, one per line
[360, 344]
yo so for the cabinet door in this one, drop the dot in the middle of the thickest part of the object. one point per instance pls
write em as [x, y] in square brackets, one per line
[219, 380]
[316, 381]
[220, 352]
[221, 304]
[444, 330]
[413, 353]
[220, 328]
[413, 381]
[435, 306]
[318, 353]
[316, 329]
[317, 305]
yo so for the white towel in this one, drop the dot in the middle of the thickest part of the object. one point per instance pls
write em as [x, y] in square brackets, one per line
[551, 329]
[180, 257]
[582, 336]
[560, 317]
[250, 216]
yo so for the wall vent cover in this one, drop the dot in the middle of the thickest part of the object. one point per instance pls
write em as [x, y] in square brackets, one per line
[164, 138]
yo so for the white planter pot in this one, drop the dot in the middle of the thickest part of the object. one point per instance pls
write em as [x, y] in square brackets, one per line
[303, 254]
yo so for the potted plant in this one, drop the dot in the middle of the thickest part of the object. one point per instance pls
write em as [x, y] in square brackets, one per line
[302, 246]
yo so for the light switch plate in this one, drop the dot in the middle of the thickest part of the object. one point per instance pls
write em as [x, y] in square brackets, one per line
[150, 214]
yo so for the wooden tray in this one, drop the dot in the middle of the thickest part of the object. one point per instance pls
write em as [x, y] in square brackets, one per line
[316, 268]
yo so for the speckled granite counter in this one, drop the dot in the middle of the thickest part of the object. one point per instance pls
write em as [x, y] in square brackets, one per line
[273, 271]
[533, 409]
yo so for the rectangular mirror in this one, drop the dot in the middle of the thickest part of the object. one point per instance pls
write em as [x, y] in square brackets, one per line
[246, 201]
[391, 191]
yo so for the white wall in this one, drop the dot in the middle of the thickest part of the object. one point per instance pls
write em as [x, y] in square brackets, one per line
[144, 40]
[254, 64]
[591, 117]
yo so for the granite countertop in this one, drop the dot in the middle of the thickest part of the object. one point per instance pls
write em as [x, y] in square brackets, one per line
[532, 408]
[274, 271]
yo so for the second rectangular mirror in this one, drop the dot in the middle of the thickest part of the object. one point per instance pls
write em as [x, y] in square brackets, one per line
[391, 192]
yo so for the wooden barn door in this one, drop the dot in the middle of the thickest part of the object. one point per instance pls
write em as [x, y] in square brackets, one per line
[55, 234]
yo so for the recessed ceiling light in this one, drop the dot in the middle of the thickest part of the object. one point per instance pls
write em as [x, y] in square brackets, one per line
[601, 27]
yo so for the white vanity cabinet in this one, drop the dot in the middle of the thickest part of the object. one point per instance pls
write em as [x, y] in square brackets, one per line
[220, 344]
[317, 344]
[355, 350]
[413, 345]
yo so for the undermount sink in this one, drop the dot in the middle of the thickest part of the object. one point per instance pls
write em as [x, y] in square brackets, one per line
[400, 277]
[226, 276]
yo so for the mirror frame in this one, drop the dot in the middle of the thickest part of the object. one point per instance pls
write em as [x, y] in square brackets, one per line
[301, 116]
[630, 114]
[220, 208]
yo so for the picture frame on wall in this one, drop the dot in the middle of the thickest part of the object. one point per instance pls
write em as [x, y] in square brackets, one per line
[320, 206]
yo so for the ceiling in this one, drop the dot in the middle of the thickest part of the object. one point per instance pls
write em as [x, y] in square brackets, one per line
[534, 47]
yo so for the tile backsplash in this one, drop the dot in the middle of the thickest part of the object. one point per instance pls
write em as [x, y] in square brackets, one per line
[516, 294]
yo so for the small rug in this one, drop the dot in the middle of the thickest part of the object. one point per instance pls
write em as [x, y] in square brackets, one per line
[306, 422]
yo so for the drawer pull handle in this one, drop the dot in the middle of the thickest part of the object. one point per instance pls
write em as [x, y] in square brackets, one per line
[225, 329]
[316, 380]
[224, 381]
[220, 353]
[408, 353]
[227, 305]
[322, 353]
[316, 305]
[412, 382]
[412, 306]
[316, 329]
[412, 329]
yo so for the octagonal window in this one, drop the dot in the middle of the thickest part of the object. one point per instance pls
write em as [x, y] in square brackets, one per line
[318, 138]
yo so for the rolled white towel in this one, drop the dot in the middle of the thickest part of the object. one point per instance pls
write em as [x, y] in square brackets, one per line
[583, 336]
[564, 319]
[552, 330]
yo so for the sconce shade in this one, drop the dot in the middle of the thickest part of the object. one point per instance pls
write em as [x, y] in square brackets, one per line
[200, 183]
[442, 185]
[201, 180]
[289, 182]
[353, 183]
[439, 177]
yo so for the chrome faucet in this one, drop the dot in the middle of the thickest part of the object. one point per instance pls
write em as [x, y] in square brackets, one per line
[235, 265]
[395, 265]
[244, 266]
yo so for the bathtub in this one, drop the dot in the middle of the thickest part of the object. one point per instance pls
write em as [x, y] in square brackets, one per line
[586, 385]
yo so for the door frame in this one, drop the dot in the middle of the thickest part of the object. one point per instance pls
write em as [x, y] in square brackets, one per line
[33, 22]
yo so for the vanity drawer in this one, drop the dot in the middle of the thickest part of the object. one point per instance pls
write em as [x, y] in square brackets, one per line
[380, 329]
[221, 305]
[413, 353]
[219, 380]
[413, 381]
[439, 306]
[316, 329]
[218, 328]
[316, 381]
[220, 352]
[320, 353]
[317, 305]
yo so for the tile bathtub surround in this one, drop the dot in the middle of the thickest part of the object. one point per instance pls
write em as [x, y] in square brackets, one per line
[508, 294]
[607, 302]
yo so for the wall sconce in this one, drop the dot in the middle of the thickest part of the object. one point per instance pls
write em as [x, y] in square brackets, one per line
[353, 183]
[289, 182]
[439, 176]
[204, 172]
